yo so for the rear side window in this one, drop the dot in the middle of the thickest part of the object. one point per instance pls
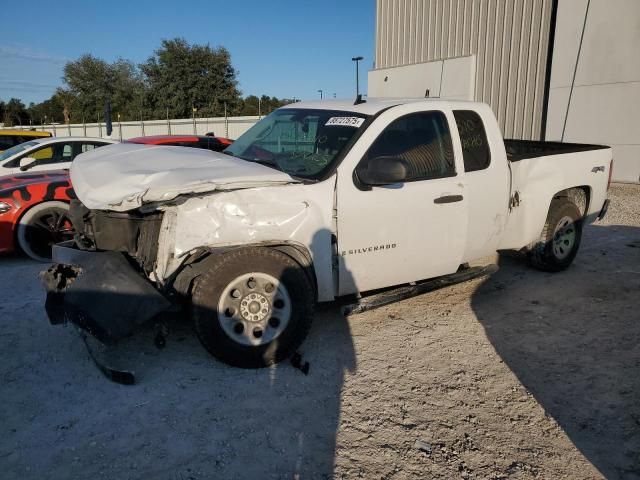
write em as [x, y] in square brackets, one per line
[475, 147]
[67, 152]
[423, 140]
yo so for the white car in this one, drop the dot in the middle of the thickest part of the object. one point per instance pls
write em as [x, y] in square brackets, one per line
[53, 153]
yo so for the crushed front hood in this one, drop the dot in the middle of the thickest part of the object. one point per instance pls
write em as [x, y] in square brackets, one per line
[124, 176]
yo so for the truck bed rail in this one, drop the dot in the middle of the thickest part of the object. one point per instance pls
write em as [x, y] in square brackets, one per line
[523, 149]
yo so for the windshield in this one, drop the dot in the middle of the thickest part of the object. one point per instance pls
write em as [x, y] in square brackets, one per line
[16, 149]
[301, 142]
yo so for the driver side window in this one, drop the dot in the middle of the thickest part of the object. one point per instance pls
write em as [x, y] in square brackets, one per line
[423, 141]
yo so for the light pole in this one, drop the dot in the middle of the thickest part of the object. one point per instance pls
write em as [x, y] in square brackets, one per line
[320, 92]
[357, 59]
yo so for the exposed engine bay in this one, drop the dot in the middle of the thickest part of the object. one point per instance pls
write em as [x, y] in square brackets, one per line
[132, 232]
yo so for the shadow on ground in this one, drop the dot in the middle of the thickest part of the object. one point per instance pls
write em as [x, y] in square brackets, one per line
[189, 417]
[581, 363]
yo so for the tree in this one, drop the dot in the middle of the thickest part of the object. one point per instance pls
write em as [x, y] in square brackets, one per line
[176, 78]
[92, 81]
[250, 106]
[14, 112]
[60, 108]
[264, 105]
[67, 100]
[180, 76]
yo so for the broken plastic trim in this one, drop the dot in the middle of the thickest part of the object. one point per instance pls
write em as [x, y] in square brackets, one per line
[123, 377]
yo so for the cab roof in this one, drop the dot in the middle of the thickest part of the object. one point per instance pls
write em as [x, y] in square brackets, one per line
[372, 105]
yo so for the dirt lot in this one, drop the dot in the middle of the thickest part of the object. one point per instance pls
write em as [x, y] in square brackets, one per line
[522, 375]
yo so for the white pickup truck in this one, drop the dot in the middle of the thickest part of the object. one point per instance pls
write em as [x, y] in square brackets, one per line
[318, 200]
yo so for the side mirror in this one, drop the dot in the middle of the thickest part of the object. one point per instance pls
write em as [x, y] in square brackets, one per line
[26, 163]
[385, 170]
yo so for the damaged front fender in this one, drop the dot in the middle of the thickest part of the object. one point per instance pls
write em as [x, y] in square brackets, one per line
[293, 215]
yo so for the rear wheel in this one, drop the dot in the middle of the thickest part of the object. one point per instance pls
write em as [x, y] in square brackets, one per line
[253, 307]
[41, 227]
[560, 238]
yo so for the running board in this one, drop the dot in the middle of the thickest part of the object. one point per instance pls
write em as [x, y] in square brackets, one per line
[386, 297]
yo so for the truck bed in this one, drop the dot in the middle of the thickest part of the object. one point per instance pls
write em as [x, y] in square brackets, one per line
[522, 149]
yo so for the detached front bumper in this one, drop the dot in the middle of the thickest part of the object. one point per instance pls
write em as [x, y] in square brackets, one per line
[100, 292]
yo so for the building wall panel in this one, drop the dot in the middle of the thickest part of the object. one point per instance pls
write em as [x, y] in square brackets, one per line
[603, 107]
[508, 37]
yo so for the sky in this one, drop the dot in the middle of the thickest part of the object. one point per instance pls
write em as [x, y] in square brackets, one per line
[282, 48]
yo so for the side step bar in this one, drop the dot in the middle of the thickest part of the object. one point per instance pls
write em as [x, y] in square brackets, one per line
[387, 297]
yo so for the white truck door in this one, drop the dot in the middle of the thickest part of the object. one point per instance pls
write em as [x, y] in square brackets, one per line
[416, 229]
[486, 179]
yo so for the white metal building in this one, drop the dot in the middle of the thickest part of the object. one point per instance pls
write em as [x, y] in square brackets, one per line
[550, 69]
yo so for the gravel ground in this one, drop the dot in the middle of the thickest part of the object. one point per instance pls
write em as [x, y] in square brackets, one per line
[521, 375]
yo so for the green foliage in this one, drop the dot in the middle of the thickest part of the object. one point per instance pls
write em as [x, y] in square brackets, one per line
[264, 105]
[177, 78]
[180, 76]
[92, 81]
[13, 113]
[53, 109]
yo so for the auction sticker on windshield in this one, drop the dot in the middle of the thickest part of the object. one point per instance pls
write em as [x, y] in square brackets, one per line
[345, 121]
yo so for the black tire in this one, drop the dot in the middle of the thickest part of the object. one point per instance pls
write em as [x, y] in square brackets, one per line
[224, 270]
[42, 226]
[555, 251]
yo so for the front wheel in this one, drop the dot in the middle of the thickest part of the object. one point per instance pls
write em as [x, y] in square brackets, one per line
[560, 238]
[253, 307]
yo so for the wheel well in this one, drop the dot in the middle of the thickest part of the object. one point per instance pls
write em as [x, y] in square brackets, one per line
[197, 264]
[581, 196]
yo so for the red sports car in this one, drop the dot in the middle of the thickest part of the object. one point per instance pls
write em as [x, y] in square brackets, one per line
[34, 212]
[217, 144]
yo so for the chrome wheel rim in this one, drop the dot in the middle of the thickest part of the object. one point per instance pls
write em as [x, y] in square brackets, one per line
[564, 238]
[254, 309]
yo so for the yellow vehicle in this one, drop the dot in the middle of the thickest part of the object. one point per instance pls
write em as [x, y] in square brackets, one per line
[10, 138]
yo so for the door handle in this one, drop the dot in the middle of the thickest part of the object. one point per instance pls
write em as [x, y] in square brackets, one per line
[448, 199]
